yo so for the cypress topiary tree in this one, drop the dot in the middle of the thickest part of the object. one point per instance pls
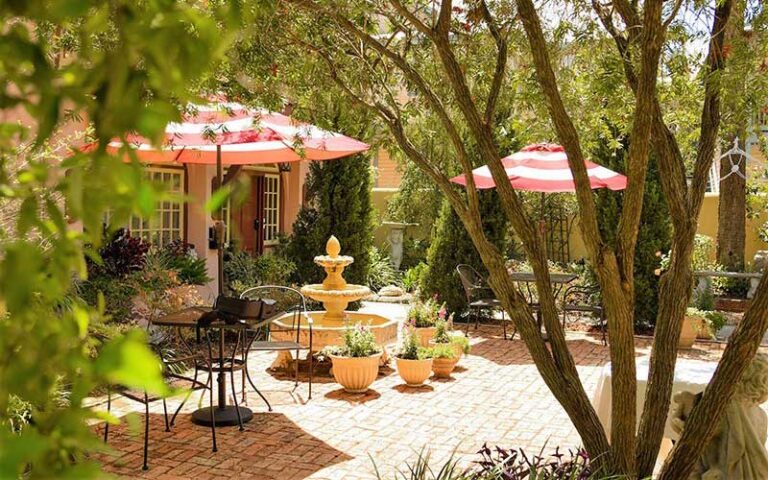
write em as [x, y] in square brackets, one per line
[655, 230]
[338, 203]
[452, 246]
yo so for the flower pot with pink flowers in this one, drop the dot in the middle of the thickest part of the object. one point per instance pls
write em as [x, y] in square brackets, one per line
[423, 315]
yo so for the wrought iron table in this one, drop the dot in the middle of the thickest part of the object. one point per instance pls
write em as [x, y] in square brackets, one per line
[222, 414]
[559, 281]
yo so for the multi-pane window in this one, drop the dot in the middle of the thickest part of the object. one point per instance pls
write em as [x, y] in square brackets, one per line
[271, 209]
[167, 223]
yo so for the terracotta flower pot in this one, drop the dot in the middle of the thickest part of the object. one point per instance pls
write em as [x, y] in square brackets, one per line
[425, 334]
[414, 372]
[442, 367]
[355, 374]
[689, 332]
[456, 348]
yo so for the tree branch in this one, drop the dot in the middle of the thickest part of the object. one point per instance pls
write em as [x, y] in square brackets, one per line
[501, 62]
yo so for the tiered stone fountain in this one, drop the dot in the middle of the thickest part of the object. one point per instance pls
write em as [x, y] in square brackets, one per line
[335, 294]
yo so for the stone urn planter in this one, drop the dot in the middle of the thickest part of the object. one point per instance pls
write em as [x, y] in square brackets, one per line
[414, 372]
[355, 374]
[443, 367]
[689, 332]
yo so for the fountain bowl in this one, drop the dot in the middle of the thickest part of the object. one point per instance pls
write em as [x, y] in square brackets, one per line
[330, 333]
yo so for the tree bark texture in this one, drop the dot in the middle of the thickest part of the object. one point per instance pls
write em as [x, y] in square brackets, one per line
[732, 213]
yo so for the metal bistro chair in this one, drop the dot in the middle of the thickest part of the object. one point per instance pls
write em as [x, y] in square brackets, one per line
[156, 337]
[480, 296]
[292, 307]
[579, 298]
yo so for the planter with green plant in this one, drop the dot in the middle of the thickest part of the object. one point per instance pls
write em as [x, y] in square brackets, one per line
[444, 359]
[445, 336]
[414, 362]
[356, 361]
[704, 323]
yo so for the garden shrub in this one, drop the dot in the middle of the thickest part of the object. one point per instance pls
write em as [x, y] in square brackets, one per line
[182, 258]
[381, 271]
[452, 246]
[413, 277]
[655, 231]
[121, 255]
[243, 271]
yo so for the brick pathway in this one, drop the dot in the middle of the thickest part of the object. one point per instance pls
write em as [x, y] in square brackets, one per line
[494, 396]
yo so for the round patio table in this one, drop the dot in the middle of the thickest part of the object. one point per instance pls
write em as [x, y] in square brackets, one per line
[224, 415]
[690, 375]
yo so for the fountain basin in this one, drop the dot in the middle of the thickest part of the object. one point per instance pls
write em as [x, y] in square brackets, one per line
[325, 333]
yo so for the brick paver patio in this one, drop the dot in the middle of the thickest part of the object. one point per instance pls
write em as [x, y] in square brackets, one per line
[495, 396]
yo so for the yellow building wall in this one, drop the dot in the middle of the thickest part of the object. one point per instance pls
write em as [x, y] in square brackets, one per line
[707, 226]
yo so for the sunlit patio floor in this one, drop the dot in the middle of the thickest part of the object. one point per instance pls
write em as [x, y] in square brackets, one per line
[494, 396]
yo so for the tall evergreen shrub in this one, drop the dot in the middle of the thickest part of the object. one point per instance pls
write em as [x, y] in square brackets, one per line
[452, 246]
[338, 203]
[655, 229]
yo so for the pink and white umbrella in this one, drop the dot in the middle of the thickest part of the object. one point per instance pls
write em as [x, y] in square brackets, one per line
[244, 136]
[543, 167]
[226, 133]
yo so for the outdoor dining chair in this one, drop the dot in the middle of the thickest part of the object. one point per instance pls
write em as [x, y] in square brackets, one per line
[480, 296]
[156, 338]
[292, 307]
[584, 299]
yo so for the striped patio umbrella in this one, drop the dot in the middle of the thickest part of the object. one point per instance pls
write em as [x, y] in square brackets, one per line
[227, 133]
[543, 167]
[244, 136]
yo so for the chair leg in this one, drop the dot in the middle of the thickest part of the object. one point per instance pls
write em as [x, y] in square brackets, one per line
[604, 328]
[250, 380]
[186, 397]
[504, 324]
[242, 375]
[311, 371]
[296, 379]
[477, 318]
[165, 414]
[109, 409]
[146, 432]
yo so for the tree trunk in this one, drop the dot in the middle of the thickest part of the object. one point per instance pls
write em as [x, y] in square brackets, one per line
[732, 213]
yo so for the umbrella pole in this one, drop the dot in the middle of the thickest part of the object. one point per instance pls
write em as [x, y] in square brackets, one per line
[220, 225]
[543, 223]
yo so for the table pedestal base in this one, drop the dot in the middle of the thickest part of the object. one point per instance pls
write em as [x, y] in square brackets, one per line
[224, 417]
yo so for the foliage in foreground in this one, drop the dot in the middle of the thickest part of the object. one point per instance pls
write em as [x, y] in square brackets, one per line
[120, 65]
[503, 464]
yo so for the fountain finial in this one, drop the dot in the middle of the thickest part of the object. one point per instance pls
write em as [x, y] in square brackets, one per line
[333, 247]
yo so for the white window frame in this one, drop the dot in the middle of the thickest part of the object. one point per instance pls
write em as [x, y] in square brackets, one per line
[271, 210]
[152, 229]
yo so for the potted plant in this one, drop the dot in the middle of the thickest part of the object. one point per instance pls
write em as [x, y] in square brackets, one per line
[414, 362]
[444, 336]
[705, 323]
[423, 316]
[356, 361]
[444, 359]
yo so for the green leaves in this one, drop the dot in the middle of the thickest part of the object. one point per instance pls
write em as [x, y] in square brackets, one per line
[128, 361]
[124, 66]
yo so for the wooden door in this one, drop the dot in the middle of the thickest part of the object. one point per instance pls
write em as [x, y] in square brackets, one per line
[248, 219]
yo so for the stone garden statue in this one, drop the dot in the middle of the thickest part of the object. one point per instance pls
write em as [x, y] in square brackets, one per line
[737, 450]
